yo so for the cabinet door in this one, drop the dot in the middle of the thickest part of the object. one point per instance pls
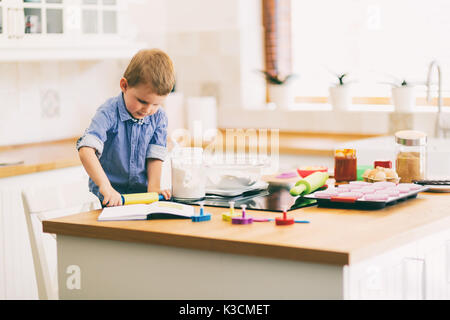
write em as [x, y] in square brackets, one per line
[9, 19]
[41, 17]
[69, 17]
[435, 251]
[36, 30]
[413, 278]
[99, 17]
[396, 274]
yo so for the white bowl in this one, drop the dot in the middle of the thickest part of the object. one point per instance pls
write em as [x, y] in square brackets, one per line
[232, 176]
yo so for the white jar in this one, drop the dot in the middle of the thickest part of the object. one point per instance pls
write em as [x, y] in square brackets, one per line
[188, 174]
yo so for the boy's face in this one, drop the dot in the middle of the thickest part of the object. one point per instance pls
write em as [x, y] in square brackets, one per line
[140, 101]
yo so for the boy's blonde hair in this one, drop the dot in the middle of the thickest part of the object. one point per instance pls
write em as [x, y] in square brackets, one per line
[151, 67]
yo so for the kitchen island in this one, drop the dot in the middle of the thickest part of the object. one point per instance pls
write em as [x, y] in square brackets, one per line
[399, 252]
[57, 162]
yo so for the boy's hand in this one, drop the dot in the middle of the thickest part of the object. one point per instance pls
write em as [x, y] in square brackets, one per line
[166, 193]
[111, 197]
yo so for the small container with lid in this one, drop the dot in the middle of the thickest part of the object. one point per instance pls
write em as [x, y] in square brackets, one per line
[345, 165]
[411, 155]
[383, 163]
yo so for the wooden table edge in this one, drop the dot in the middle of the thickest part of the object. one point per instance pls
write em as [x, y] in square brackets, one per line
[196, 242]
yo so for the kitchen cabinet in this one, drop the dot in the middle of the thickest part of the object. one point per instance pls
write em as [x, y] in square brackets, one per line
[399, 252]
[32, 30]
[435, 252]
[419, 270]
[396, 274]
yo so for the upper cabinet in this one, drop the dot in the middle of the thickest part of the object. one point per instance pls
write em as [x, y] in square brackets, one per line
[32, 30]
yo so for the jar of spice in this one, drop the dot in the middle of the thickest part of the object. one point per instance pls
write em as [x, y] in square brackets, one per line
[345, 165]
[411, 155]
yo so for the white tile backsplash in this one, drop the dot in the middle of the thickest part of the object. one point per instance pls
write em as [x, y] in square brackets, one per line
[30, 92]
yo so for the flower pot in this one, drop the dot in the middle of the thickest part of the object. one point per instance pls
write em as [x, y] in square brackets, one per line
[282, 95]
[340, 97]
[403, 98]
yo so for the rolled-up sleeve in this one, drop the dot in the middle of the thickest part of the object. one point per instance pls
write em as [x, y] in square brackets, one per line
[158, 143]
[95, 135]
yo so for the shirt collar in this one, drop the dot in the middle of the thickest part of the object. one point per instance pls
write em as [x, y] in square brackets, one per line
[125, 115]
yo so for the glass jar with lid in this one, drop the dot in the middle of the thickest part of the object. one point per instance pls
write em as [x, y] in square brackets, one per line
[411, 155]
[345, 165]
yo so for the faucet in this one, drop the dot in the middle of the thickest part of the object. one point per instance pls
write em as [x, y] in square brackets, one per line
[438, 127]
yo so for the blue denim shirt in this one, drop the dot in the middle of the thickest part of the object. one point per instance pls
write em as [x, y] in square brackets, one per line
[123, 144]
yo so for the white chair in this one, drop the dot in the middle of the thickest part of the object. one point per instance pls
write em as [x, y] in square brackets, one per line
[45, 202]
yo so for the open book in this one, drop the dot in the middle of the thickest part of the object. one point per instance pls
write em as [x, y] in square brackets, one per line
[155, 210]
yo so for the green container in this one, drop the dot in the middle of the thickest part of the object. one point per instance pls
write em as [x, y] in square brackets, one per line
[360, 171]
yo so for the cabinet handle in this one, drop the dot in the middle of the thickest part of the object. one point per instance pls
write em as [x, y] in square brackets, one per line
[447, 260]
[417, 262]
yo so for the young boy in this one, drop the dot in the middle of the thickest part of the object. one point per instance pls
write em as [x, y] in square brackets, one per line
[123, 148]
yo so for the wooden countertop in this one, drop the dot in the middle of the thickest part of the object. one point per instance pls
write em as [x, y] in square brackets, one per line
[38, 157]
[59, 154]
[333, 236]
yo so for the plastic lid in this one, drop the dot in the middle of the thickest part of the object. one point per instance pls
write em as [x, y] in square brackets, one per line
[345, 153]
[411, 138]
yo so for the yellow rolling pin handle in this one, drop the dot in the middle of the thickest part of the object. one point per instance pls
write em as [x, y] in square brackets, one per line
[141, 198]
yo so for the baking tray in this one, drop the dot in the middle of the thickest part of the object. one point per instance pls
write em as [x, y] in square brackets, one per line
[352, 203]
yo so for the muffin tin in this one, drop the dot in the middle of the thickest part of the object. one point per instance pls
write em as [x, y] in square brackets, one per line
[365, 195]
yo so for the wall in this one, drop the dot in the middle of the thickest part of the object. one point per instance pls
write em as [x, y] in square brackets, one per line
[217, 48]
[46, 101]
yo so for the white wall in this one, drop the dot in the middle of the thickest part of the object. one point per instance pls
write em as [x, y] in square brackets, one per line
[216, 47]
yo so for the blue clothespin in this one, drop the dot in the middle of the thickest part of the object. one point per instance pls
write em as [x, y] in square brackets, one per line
[202, 216]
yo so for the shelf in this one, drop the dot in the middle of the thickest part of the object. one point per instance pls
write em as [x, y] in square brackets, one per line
[29, 51]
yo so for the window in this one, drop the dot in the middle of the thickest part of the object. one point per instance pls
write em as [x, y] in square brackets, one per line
[374, 41]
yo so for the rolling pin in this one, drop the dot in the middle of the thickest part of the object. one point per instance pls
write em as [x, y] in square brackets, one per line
[141, 198]
[309, 184]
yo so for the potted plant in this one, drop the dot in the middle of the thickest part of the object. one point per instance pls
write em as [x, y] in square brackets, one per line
[280, 89]
[403, 96]
[340, 93]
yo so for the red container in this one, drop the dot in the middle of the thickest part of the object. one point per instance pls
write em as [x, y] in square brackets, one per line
[383, 163]
[305, 171]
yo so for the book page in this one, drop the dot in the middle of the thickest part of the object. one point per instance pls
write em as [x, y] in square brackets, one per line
[171, 208]
[140, 211]
[130, 212]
